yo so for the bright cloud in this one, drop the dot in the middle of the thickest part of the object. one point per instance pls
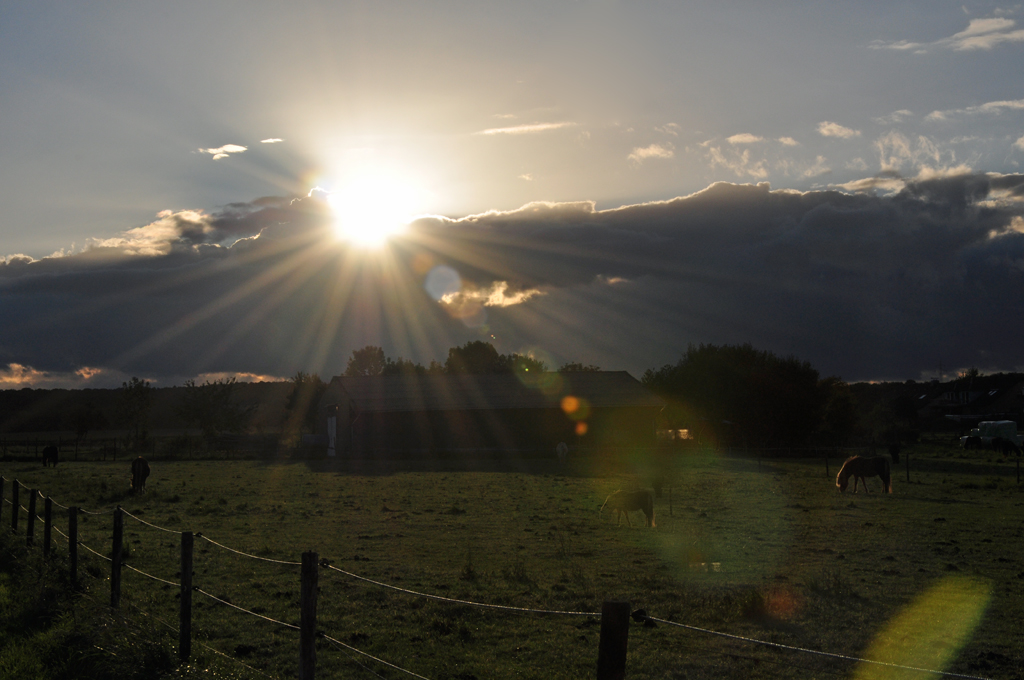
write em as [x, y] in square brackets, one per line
[829, 129]
[885, 184]
[788, 141]
[980, 34]
[17, 376]
[739, 163]
[996, 107]
[894, 117]
[157, 238]
[744, 138]
[640, 154]
[224, 151]
[819, 168]
[896, 151]
[272, 140]
[1020, 143]
[669, 129]
[526, 129]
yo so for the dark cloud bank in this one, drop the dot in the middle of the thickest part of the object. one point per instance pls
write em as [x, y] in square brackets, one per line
[862, 286]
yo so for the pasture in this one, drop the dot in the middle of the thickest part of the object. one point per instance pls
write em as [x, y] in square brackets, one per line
[769, 551]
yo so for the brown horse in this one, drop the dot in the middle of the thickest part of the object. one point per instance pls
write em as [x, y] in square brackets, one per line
[860, 468]
[140, 470]
[623, 502]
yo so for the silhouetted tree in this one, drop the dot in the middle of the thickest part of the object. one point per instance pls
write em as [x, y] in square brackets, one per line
[369, 360]
[134, 403]
[736, 391]
[476, 356]
[303, 402]
[839, 414]
[209, 407]
[574, 367]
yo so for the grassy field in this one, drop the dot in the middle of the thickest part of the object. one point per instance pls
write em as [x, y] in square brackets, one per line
[927, 576]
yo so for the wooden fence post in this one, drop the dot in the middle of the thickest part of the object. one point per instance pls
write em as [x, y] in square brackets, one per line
[73, 544]
[185, 613]
[611, 653]
[3, 482]
[115, 561]
[47, 525]
[307, 617]
[14, 506]
[31, 526]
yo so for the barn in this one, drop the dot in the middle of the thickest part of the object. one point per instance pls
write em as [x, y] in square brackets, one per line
[515, 413]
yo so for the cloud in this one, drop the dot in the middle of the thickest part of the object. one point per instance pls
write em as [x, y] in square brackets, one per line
[788, 141]
[980, 34]
[18, 376]
[668, 129]
[896, 151]
[739, 163]
[880, 278]
[641, 154]
[526, 177]
[857, 164]
[827, 129]
[744, 138]
[532, 128]
[1020, 143]
[894, 117]
[224, 151]
[885, 183]
[818, 168]
[995, 108]
[272, 140]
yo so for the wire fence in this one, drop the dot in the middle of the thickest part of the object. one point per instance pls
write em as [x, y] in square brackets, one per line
[639, 616]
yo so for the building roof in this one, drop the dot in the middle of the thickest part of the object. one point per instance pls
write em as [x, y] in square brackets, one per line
[462, 392]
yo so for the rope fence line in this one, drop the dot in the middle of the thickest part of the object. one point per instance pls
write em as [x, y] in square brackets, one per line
[155, 578]
[243, 609]
[370, 656]
[243, 554]
[831, 655]
[62, 507]
[94, 552]
[638, 616]
[148, 524]
[441, 598]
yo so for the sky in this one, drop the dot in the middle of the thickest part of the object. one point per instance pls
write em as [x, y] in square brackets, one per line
[204, 190]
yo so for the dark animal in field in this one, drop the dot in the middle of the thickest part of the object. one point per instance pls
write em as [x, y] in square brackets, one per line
[624, 502]
[50, 455]
[860, 468]
[140, 470]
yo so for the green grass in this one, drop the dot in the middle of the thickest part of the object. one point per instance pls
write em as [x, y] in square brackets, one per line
[774, 553]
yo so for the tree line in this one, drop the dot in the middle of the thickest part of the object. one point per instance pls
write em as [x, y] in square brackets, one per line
[739, 395]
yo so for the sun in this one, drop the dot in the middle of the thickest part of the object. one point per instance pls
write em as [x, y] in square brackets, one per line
[372, 205]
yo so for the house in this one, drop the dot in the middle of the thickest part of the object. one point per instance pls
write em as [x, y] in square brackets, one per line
[522, 413]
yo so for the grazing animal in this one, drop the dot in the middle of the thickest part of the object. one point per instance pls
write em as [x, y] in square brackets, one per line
[140, 470]
[623, 502]
[50, 455]
[860, 468]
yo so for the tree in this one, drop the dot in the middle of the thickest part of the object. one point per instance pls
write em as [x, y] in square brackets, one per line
[134, 403]
[369, 360]
[209, 407]
[476, 356]
[839, 414]
[303, 401]
[574, 367]
[738, 392]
